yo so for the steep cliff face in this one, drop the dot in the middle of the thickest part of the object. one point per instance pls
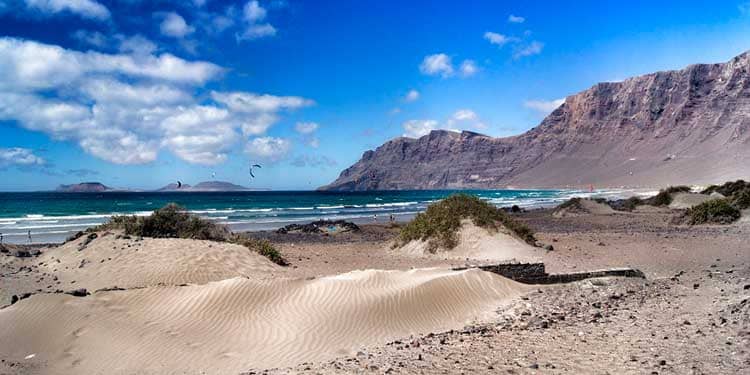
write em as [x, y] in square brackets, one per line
[687, 126]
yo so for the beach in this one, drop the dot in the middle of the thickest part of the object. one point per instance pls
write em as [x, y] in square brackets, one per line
[348, 302]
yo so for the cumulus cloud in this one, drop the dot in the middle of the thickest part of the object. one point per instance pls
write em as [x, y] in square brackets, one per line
[411, 96]
[91, 38]
[253, 16]
[437, 64]
[85, 8]
[17, 156]
[497, 39]
[543, 107]
[306, 127]
[419, 128]
[314, 161]
[174, 25]
[125, 108]
[468, 68]
[461, 119]
[269, 149]
[516, 19]
[533, 48]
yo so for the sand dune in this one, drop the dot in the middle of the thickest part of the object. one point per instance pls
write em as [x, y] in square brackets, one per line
[479, 244]
[687, 200]
[584, 207]
[109, 261]
[237, 324]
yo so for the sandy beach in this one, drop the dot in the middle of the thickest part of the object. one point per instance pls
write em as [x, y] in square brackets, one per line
[349, 302]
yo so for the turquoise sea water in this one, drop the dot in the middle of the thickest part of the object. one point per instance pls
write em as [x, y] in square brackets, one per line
[51, 217]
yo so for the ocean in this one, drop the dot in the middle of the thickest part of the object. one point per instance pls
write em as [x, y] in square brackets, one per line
[52, 217]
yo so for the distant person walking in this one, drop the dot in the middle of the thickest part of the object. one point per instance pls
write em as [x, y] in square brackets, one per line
[1, 237]
[375, 218]
[392, 218]
[29, 235]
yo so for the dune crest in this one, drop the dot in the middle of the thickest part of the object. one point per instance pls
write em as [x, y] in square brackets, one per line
[478, 243]
[237, 324]
[110, 260]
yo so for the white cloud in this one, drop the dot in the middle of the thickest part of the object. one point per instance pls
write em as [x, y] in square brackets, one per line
[543, 107]
[437, 64]
[254, 103]
[91, 38]
[313, 142]
[257, 31]
[468, 68]
[419, 128]
[126, 108]
[306, 127]
[497, 39]
[270, 149]
[19, 157]
[313, 161]
[465, 115]
[534, 48]
[411, 96]
[461, 119]
[84, 8]
[253, 14]
[175, 26]
[136, 44]
[516, 19]
[35, 65]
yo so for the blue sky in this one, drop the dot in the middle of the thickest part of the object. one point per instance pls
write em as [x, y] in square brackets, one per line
[138, 94]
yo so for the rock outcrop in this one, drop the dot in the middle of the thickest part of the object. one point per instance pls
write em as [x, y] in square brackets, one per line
[689, 126]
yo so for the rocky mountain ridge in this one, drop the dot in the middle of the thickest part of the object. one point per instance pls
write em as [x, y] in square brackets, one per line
[689, 126]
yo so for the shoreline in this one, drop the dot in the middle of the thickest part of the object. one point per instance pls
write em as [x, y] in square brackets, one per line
[533, 327]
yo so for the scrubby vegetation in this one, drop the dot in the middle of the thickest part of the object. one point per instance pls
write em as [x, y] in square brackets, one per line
[664, 198]
[262, 247]
[728, 189]
[173, 221]
[741, 199]
[570, 203]
[440, 223]
[715, 211]
[170, 221]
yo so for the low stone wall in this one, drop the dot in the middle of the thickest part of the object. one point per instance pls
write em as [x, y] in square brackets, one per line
[535, 273]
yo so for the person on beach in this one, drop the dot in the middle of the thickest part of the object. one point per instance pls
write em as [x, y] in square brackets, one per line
[29, 236]
[1, 237]
[375, 217]
[392, 218]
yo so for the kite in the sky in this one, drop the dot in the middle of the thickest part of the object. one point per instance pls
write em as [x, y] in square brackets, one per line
[251, 169]
[179, 184]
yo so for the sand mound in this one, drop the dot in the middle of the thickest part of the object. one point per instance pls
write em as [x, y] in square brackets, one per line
[109, 261]
[478, 243]
[583, 207]
[238, 324]
[683, 201]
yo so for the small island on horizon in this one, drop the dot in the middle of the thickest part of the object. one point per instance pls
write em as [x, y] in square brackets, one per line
[205, 186]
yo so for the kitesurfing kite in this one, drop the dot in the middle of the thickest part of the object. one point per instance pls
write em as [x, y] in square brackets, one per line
[251, 169]
[179, 184]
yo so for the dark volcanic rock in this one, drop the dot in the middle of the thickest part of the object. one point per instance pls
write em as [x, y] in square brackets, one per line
[689, 126]
[320, 226]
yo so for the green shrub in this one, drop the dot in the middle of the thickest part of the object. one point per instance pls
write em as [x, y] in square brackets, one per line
[631, 203]
[262, 247]
[441, 221]
[678, 189]
[170, 221]
[728, 188]
[173, 221]
[572, 202]
[741, 199]
[715, 211]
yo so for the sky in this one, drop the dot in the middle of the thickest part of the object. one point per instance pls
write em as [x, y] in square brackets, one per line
[139, 94]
